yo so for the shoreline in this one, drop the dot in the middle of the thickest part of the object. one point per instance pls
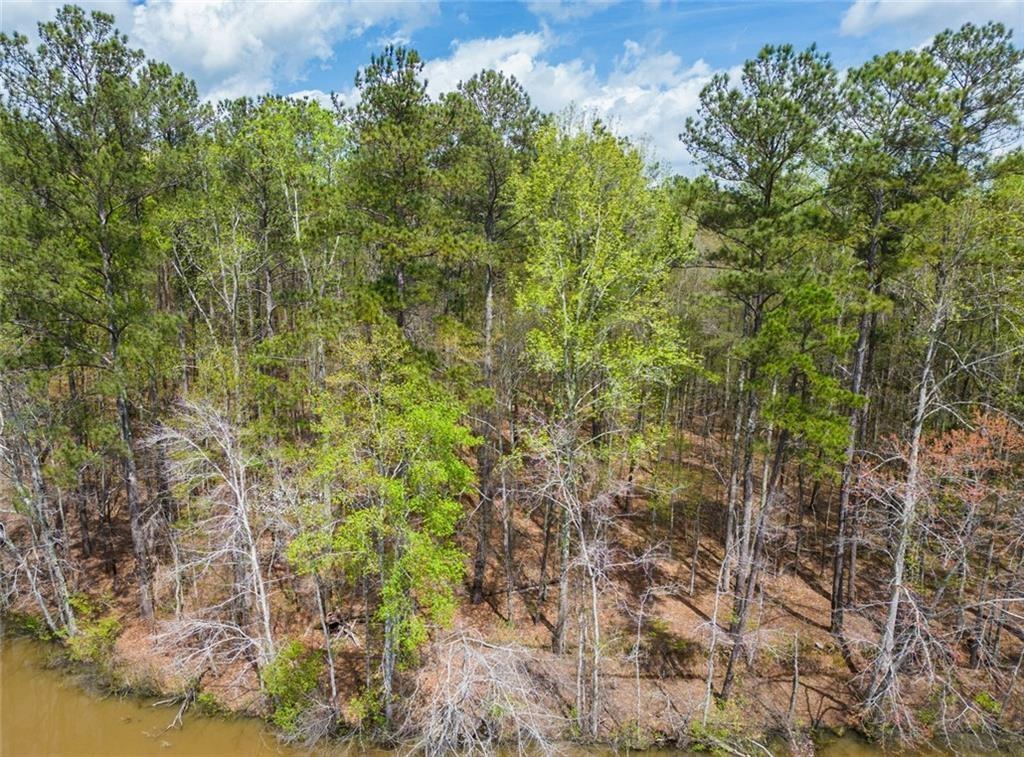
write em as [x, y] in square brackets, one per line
[120, 680]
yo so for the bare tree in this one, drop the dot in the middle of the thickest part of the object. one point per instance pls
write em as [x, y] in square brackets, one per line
[22, 456]
[208, 461]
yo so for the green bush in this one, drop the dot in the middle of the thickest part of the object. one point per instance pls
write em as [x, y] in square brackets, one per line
[94, 643]
[97, 634]
[366, 709]
[631, 737]
[708, 738]
[289, 680]
[207, 704]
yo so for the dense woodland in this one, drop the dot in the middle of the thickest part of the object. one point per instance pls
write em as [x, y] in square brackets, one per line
[412, 417]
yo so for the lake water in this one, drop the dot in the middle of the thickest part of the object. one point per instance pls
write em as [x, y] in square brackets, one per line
[46, 712]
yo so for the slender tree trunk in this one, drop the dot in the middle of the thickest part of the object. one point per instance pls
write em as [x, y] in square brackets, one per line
[791, 718]
[837, 603]
[33, 584]
[729, 556]
[21, 454]
[746, 524]
[387, 669]
[328, 647]
[256, 572]
[81, 486]
[750, 579]
[46, 542]
[400, 287]
[143, 565]
[485, 459]
[268, 294]
[595, 660]
[558, 636]
[885, 667]
[506, 512]
[543, 580]
[483, 532]
[696, 551]
[978, 649]
[865, 328]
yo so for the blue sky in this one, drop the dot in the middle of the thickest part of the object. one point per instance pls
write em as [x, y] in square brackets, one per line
[638, 63]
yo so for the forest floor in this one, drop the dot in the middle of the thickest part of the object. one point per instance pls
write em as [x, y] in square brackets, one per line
[663, 697]
[675, 632]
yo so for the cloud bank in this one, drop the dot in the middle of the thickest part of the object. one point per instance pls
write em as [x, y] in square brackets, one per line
[241, 47]
[925, 18]
[647, 95]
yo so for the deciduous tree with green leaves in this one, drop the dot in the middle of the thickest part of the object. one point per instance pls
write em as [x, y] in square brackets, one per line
[392, 440]
[592, 291]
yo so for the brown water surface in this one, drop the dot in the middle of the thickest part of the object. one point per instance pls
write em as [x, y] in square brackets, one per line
[46, 712]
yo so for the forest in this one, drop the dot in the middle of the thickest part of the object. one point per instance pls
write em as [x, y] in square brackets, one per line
[449, 423]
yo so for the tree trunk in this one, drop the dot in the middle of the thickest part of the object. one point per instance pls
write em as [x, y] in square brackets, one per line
[558, 636]
[865, 327]
[259, 587]
[885, 667]
[750, 578]
[485, 456]
[328, 650]
[846, 480]
[143, 566]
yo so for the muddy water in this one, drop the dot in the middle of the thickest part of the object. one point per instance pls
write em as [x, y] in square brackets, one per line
[47, 713]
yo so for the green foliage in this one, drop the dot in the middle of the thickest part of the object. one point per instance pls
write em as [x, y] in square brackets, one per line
[97, 632]
[394, 438]
[594, 279]
[763, 133]
[494, 139]
[988, 703]
[711, 738]
[123, 125]
[289, 680]
[632, 736]
[207, 704]
[366, 709]
[764, 138]
[392, 446]
[397, 188]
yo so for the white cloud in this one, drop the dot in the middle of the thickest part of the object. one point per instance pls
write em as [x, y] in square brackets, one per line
[235, 47]
[23, 15]
[568, 10]
[315, 95]
[928, 17]
[647, 94]
[516, 55]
